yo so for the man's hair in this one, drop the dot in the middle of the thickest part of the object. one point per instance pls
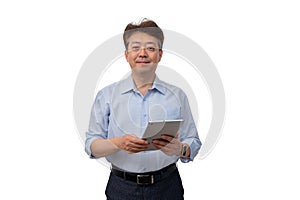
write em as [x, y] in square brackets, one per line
[144, 26]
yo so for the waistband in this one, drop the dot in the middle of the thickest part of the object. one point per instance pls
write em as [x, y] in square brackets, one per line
[147, 178]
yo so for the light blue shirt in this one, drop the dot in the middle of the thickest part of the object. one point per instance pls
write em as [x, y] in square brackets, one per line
[121, 109]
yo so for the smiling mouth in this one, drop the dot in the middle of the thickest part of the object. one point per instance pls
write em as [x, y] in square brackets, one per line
[143, 62]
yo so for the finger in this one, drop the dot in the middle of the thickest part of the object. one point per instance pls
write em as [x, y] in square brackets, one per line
[138, 145]
[167, 137]
[165, 150]
[133, 139]
[139, 141]
[171, 140]
[136, 149]
[159, 146]
[160, 142]
[133, 145]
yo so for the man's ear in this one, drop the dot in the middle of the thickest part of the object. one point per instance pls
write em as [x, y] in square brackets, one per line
[160, 54]
[126, 55]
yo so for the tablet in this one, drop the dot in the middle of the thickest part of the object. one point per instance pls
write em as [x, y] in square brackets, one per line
[156, 129]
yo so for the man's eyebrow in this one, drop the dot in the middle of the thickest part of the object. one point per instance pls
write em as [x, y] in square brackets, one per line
[136, 42]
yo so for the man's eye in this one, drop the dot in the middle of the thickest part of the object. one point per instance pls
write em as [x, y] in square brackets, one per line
[135, 48]
[150, 48]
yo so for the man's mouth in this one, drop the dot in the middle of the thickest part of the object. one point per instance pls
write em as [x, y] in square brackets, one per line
[143, 61]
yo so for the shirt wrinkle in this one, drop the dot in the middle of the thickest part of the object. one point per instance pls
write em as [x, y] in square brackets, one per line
[118, 111]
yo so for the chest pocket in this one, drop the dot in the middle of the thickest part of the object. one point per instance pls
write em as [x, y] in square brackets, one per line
[163, 111]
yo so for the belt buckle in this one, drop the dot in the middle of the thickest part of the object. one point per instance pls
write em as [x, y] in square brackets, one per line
[149, 178]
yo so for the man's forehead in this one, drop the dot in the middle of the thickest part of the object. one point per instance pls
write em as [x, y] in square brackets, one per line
[142, 38]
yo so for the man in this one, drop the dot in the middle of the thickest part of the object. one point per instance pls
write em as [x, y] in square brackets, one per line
[120, 115]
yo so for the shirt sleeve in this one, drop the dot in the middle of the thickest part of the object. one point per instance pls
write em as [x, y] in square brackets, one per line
[188, 132]
[99, 120]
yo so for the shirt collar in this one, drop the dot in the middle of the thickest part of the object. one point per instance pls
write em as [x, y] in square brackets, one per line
[127, 85]
[159, 85]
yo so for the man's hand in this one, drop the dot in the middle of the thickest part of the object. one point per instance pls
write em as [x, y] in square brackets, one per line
[169, 145]
[130, 143]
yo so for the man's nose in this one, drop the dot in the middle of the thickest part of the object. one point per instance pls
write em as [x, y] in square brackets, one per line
[143, 52]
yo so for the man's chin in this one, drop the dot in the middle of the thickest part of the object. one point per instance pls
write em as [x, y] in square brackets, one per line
[145, 65]
[144, 68]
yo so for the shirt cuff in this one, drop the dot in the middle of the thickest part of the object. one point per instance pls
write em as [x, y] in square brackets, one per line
[185, 160]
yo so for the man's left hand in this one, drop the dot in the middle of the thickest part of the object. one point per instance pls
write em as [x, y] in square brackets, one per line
[169, 145]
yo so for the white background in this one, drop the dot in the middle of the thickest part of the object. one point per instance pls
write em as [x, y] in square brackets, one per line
[254, 45]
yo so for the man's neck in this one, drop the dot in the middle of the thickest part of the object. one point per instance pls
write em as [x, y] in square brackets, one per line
[143, 82]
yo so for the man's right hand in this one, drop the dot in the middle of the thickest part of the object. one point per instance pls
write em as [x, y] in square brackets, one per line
[130, 143]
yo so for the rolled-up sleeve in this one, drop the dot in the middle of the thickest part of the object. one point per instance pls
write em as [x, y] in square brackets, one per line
[99, 120]
[188, 132]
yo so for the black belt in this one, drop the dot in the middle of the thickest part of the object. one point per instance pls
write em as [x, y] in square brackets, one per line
[145, 178]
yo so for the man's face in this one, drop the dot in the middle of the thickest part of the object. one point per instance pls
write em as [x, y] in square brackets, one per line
[143, 52]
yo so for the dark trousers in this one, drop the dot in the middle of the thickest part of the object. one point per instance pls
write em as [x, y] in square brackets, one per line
[169, 188]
